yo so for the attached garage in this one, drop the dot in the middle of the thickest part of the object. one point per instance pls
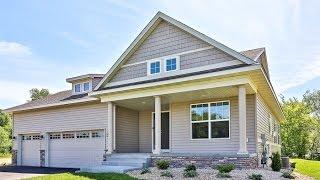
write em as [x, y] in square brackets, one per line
[30, 150]
[76, 149]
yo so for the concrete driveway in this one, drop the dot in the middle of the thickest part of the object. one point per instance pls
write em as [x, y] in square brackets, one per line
[20, 172]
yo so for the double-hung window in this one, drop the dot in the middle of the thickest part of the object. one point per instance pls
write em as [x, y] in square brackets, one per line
[155, 67]
[86, 86]
[171, 64]
[210, 120]
[77, 88]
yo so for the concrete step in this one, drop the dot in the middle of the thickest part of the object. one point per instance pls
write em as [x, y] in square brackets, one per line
[127, 159]
[107, 168]
[129, 155]
[124, 163]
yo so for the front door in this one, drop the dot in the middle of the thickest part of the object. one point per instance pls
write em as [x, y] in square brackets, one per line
[164, 130]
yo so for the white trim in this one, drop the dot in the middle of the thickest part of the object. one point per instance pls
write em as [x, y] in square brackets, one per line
[74, 88]
[151, 25]
[172, 55]
[177, 64]
[114, 127]
[209, 120]
[90, 86]
[174, 73]
[152, 132]
[149, 67]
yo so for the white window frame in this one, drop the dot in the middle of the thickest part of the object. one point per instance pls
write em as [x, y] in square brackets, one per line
[149, 66]
[210, 120]
[89, 86]
[177, 63]
[74, 88]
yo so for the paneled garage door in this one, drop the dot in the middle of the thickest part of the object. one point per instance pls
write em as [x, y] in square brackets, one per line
[76, 149]
[31, 150]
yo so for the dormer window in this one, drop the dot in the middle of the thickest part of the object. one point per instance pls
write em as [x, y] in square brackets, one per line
[77, 88]
[86, 86]
[163, 65]
[171, 64]
[155, 67]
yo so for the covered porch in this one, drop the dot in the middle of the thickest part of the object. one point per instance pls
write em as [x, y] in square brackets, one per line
[158, 119]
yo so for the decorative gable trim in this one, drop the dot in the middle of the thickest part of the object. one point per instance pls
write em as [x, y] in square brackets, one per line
[150, 27]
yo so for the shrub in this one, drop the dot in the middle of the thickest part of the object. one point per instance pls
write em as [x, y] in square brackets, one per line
[190, 167]
[255, 176]
[166, 174]
[162, 164]
[190, 173]
[145, 170]
[276, 161]
[288, 174]
[225, 168]
[293, 165]
[223, 175]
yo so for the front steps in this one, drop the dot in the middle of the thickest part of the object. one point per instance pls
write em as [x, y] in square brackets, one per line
[121, 163]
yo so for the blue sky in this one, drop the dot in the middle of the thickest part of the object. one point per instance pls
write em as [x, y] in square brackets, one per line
[44, 42]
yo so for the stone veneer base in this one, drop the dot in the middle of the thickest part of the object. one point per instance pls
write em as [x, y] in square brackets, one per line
[178, 161]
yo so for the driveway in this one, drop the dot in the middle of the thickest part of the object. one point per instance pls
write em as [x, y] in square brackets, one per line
[20, 172]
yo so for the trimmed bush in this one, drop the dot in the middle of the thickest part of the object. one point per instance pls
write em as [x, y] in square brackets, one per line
[166, 174]
[255, 176]
[293, 165]
[223, 175]
[145, 170]
[276, 161]
[190, 167]
[191, 173]
[288, 174]
[162, 164]
[225, 168]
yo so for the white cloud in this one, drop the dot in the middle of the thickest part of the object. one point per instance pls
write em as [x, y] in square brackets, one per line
[14, 49]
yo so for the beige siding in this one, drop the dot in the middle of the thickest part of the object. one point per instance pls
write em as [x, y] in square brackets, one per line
[181, 134]
[95, 82]
[127, 130]
[130, 72]
[145, 131]
[76, 117]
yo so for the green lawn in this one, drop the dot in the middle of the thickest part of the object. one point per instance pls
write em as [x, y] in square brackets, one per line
[83, 176]
[308, 167]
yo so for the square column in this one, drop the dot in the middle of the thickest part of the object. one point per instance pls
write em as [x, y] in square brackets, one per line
[242, 121]
[157, 123]
[109, 138]
[19, 150]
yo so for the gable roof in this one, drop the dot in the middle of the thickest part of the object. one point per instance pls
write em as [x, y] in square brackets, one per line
[91, 76]
[150, 27]
[253, 54]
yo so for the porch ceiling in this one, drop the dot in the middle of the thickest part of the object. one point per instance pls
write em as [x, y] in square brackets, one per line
[147, 103]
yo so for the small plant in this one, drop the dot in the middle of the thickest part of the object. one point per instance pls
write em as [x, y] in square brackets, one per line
[255, 176]
[225, 168]
[293, 165]
[190, 167]
[166, 174]
[145, 170]
[190, 173]
[276, 161]
[163, 164]
[223, 175]
[288, 174]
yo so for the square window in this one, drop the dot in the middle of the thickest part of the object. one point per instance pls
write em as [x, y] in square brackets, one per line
[200, 130]
[155, 67]
[220, 129]
[86, 86]
[68, 135]
[171, 64]
[77, 88]
[55, 136]
[83, 134]
[96, 134]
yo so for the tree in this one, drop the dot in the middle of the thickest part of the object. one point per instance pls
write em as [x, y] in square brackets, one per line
[297, 129]
[312, 99]
[5, 132]
[35, 93]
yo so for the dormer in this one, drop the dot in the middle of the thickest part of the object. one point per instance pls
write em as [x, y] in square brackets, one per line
[84, 83]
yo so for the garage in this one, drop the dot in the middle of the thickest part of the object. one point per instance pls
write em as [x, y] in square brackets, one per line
[76, 149]
[30, 150]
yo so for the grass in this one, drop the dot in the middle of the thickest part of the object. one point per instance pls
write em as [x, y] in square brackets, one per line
[83, 176]
[308, 167]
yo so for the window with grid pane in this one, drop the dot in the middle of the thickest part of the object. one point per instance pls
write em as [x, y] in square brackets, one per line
[155, 67]
[171, 64]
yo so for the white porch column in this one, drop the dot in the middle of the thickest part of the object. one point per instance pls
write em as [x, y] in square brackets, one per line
[242, 121]
[110, 128]
[19, 150]
[46, 148]
[157, 110]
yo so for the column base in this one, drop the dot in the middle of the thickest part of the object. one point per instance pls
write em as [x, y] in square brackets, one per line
[242, 152]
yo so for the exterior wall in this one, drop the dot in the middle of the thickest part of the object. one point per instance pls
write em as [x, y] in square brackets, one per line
[263, 123]
[95, 82]
[127, 130]
[145, 131]
[166, 40]
[181, 141]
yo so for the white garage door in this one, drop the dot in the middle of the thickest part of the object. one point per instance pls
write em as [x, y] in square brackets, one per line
[76, 149]
[30, 150]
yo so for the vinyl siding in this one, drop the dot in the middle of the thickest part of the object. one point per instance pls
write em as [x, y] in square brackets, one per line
[71, 118]
[95, 82]
[145, 131]
[127, 130]
[181, 137]
[131, 72]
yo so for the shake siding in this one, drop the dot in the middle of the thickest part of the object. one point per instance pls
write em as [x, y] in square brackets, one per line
[130, 72]
[181, 134]
[127, 130]
[76, 117]
[145, 131]
[95, 82]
